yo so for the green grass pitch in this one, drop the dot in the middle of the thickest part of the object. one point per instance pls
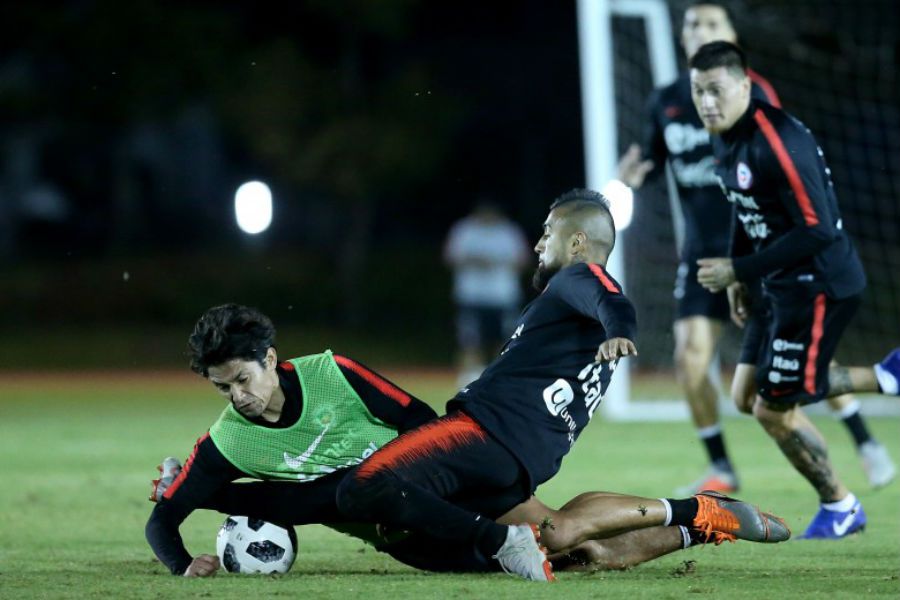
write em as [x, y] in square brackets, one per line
[78, 452]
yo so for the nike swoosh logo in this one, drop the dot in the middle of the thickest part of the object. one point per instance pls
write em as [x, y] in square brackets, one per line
[295, 462]
[840, 528]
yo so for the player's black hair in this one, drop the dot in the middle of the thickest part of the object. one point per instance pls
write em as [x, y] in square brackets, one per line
[227, 332]
[719, 54]
[579, 199]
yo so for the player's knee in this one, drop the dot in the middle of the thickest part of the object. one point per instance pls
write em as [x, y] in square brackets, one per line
[774, 418]
[692, 364]
[743, 394]
[743, 401]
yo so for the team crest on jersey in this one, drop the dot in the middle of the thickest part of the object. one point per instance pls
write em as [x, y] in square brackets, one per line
[744, 176]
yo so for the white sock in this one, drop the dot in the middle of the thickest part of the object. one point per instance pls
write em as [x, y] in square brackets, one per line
[685, 537]
[848, 411]
[844, 505]
[708, 432]
[887, 382]
[668, 511]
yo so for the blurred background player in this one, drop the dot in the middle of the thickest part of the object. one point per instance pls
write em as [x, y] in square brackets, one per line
[788, 231]
[487, 252]
[675, 133]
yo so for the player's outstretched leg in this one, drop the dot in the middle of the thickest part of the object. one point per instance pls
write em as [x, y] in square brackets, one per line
[522, 554]
[722, 518]
[695, 350]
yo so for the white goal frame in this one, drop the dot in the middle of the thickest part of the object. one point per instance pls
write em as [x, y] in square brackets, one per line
[598, 107]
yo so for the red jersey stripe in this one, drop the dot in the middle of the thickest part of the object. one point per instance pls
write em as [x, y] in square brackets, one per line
[382, 385]
[812, 354]
[771, 96]
[437, 437]
[787, 164]
[287, 366]
[185, 469]
[604, 278]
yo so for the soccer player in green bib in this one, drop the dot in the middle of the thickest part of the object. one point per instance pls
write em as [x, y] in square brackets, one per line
[298, 426]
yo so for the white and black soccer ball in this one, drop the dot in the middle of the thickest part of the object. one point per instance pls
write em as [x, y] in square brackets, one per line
[247, 545]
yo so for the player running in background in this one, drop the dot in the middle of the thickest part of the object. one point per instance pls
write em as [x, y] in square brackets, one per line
[675, 133]
[787, 231]
[507, 432]
[298, 425]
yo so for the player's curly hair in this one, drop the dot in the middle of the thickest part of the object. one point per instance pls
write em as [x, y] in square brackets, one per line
[227, 332]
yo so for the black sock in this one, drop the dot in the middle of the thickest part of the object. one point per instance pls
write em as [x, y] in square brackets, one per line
[715, 447]
[683, 511]
[697, 537]
[490, 537]
[857, 428]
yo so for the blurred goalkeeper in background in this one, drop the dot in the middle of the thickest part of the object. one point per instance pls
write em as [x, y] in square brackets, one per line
[298, 425]
[675, 133]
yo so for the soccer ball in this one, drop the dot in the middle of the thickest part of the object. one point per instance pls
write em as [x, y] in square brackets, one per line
[247, 545]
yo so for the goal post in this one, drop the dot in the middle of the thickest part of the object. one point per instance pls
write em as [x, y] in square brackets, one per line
[595, 36]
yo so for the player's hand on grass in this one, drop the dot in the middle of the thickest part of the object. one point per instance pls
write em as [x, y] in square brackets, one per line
[615, 348]
[715, 274]
[203, 565]
[632, 170]
[739, 303]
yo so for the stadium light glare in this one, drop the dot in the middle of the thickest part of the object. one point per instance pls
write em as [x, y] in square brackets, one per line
[253, 207]
[621, 202]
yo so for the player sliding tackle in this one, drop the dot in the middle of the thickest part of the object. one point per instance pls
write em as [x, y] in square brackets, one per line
[508, 431]
[299, 425]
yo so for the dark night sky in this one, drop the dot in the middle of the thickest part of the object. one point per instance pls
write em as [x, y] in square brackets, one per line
[377, 124]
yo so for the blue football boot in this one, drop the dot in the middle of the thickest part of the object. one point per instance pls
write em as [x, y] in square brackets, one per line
[834, 525]
[888, 373]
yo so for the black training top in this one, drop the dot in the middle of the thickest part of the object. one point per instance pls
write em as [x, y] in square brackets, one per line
[542, 390]
[787, 225]
[675, 132]
[207, 470]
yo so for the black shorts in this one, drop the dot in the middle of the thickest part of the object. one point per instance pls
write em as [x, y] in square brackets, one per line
[753, 339]
[693, 300]
[756, 327]
[481, 326]
[802, 335]
[453, 458]
[456, 459]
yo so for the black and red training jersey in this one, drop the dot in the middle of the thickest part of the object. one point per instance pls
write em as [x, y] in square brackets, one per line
[206, 471]
[543, 389]
[673, 131]
[787, 226]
